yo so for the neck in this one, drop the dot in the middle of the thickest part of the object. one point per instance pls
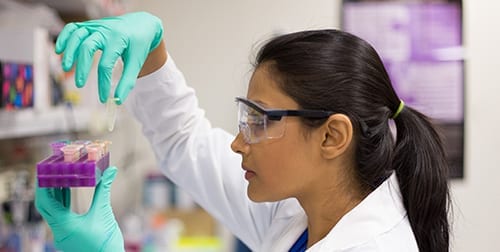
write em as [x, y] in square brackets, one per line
[324, 213]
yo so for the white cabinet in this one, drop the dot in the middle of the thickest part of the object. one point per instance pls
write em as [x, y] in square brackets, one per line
[32, 47]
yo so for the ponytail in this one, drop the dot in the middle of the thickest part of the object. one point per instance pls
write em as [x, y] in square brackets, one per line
[422, 171]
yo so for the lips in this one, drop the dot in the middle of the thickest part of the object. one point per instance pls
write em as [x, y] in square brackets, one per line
[249, 174]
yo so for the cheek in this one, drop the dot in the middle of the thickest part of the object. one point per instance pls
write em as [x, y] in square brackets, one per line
[277, 165]
[283, 169]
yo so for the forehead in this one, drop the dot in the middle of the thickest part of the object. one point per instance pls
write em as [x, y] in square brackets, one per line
[264, 89]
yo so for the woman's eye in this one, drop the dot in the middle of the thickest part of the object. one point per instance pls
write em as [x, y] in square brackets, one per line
[255, 120]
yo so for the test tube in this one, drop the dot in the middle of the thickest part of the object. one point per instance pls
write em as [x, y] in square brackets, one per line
[94, 151]
[57, 145]
[72, 152]
[105, 145]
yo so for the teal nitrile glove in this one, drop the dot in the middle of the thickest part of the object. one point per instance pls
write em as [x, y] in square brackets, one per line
[97, 230]
[131, 36]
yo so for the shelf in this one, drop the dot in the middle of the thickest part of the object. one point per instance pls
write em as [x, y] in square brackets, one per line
[32, 122]
[83, 9]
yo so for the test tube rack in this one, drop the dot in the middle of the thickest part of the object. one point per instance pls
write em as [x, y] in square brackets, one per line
[55, 171]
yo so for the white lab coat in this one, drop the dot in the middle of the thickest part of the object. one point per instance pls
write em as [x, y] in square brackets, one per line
[198, 158]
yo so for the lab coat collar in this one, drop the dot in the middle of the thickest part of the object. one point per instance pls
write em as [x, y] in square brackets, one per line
[378, 213]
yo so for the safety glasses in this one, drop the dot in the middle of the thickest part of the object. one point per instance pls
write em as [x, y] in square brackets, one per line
[257, 123]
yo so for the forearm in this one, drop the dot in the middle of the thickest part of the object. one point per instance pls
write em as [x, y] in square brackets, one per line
[156, 59]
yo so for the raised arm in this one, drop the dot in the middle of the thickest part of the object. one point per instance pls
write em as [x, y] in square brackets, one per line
[190, 152]
[193, 154]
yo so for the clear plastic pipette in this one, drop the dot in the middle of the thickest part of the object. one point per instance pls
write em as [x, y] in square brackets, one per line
[111, 104]
[111, 108]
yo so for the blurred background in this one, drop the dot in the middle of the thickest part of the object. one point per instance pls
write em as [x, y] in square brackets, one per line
[441, 55]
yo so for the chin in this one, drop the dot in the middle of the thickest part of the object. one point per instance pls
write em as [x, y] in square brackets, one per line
[259, 197]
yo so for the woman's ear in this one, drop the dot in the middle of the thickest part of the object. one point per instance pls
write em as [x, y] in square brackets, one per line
[337, 136]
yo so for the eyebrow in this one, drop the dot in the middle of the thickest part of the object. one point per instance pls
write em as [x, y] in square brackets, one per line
[260, 102]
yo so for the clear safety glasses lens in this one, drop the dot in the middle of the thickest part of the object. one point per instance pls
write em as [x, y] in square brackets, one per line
[256, 126]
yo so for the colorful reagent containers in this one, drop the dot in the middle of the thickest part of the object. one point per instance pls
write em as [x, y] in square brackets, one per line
[74, 164]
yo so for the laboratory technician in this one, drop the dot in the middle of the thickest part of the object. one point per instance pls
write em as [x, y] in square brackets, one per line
[314, 166]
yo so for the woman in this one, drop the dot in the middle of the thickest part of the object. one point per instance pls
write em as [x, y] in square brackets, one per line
[315, 154]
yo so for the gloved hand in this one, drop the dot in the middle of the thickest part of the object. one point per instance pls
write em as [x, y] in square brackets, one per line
[131, 36]
[97, 230]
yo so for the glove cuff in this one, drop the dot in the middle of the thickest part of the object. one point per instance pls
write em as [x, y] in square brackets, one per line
[115, 242]
[158, 36]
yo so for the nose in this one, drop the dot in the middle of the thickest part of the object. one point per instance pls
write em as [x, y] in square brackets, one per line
[239, 145]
